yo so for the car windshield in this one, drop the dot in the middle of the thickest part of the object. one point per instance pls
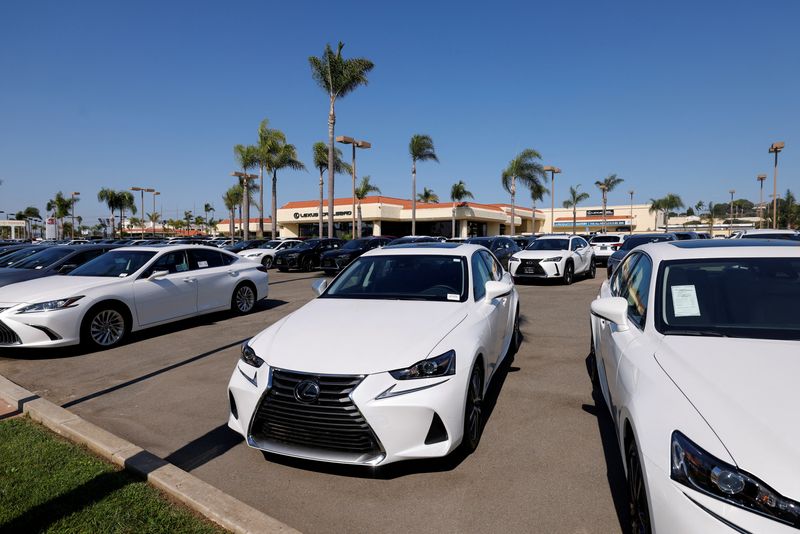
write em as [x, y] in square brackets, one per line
[743, 297]
[633, 242]
[116, 263]
[43, 259]
[605, 239]
[18, 255]
[485, 241]
[790, 237]
[311, 243]
[355, 244]
[403, 277]
[549, 244]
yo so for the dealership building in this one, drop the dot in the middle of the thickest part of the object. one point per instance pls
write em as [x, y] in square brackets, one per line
[382, 215]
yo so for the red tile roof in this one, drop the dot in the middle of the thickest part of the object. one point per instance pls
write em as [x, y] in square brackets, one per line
[253, 220]
[402, 202]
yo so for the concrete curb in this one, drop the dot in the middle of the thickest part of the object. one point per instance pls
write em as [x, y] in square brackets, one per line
[228, 512]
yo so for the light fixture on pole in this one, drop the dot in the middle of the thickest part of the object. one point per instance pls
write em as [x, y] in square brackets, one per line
[246, 186]
[730, 224]
[630, 226]
[761, 178]
[72, 206]
[775, 148]
[356, 144]
[553, 171]
[142, 191]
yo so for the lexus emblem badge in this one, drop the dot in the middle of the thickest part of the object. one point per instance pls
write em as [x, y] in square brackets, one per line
[306, 391]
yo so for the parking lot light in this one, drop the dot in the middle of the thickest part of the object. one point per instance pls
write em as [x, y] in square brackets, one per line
[730, 224]
[775, 148]
[345, 140]
[553, 171]
[72, 206]
[761, 178]
[142, 190]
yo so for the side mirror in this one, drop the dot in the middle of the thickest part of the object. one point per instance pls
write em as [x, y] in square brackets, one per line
[613, 309]
[67, 267]
[496, 289]
[319, 286]
[157, 275]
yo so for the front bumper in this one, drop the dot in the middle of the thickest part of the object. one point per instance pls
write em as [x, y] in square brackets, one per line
[46, 329]
[601, 254]
[334, 264]
[535, 269]
[287, 262]
[400, 422]
[677, 508]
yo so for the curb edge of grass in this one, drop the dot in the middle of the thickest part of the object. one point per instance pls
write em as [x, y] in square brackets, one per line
[219, 507]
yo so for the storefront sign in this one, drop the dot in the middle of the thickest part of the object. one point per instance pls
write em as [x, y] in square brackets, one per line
[598, 213]
[315, 214]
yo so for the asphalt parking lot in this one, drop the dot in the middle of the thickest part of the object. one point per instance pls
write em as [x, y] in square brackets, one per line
[546, 463]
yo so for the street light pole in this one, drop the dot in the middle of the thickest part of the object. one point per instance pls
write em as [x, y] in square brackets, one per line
[775, 148]
[155, 194]
[630, 226]
[356, 144]
[142, 191]
[246, 186]
[72, 205]
[730, 224]
[761, 178]
[553, 171]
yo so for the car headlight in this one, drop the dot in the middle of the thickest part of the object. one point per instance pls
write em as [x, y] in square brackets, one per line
[257, 254]
[554, 258]
[699, 470]
[50, 305]
[249, 356]
[292, 256]
[513, 258]
[443, 365]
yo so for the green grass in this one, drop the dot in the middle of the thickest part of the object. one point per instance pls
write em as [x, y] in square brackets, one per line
[48, 484]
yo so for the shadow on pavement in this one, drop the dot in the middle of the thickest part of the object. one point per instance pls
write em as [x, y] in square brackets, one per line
[205, 448]
[312, 276]
[615, 472]
[409, 467]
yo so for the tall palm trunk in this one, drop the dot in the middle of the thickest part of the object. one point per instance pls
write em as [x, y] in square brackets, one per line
[246, 220]
[260, 231]
[513, 203]
[241, 228]
[655, 222]
[453, 226]
[605, 224]
[331, 128]
[413, 197]
[321, 202]
[359, 219]
[231, 222]
[533, 216]
[121, 222]
[274, 220]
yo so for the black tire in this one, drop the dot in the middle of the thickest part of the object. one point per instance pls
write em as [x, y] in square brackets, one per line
[591, 364]
[516, 336]
[569, 274]
[637, 492]
[307, 265]
[105, 326]
[473, 410]
[283, 269]
[266, 261]
[243, 299]
[591, 272]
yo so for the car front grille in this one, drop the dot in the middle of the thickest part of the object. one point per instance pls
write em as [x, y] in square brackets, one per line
[332, 422]
[532, 264]
[8, 336]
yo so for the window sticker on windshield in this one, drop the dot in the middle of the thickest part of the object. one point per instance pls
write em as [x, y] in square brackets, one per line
[684, 301]
[202, 264]
[453, 296]
[123, 275]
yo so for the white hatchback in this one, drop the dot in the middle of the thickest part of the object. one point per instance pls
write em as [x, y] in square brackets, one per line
[696, 350]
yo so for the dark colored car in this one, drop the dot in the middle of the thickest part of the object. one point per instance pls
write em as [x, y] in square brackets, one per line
[631, 243]
[8, 248]
[501, 247]
[414, 239]
[335, 260]
[523, 241]
[306, 256]
[685, 236]
[51, 260]
[10, 258]
[244, 245]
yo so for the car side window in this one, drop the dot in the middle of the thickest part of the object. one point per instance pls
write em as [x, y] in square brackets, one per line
[174, 262]
[494, 268]
[573, 244]
[621, 275]
[480, 275]
[205, 259]
[582, 243]
[227, 259]
[83, 257]
[637, 290]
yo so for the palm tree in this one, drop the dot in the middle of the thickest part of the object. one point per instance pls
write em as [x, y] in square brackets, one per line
[338, 77]
[527, 170]
[321, 163]
[26, 215]
[127, 201]
[268, 138]
[111, 199]
[206, 208]
[188, 217]
[421, 149]
[247, 159]
[231, 200]
[538, 191]
[458, 193]
[60, 207]
[656, 205]
[605, 185]
[671, 202]
[363, 189]
[699, 207]
[428, 196]
[282, 156]
[135, 221]
[709, 216]
[572, 202]
[153, 218]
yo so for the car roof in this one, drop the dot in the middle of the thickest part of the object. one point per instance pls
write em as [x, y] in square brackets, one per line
[442, 249]
[168, 247]
[556, 236]
[728, 248]
[770, 231]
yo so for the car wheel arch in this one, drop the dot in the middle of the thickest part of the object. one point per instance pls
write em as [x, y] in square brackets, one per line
[116, 303]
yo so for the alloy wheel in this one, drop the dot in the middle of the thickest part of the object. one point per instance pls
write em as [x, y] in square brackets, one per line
[473, 418]
[568, 274]
[267, 261]
[637, 493]
[244, 299]
[592, 269]
[107, 328]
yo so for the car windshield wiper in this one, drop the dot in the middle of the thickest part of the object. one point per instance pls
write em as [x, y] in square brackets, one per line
[711, 333]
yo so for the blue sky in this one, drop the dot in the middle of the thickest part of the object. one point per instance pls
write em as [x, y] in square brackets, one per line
[681, 97]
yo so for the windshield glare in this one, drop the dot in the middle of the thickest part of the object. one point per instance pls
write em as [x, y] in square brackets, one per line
[43, 259]
[403, 277]
[549, 244]
[269, 244]
[19, 255]
[115, 264]
[744, 297]
[355, 244]
[311, 243]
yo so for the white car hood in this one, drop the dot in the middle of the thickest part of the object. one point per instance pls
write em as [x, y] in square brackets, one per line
[747, 391]
[52, 287]
[345, 336]
[540, 254]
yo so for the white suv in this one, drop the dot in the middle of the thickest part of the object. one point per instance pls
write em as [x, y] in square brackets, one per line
[554, 256]
[604, 245]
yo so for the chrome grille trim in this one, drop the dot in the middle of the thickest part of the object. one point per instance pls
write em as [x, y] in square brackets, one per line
[8, 336]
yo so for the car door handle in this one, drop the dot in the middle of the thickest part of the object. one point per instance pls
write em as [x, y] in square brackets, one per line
[233, 273]
[189, 280]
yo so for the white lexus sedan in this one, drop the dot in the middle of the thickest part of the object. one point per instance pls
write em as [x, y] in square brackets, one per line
[125, 290]
[265, 252]
[434, 324]
[554, 256]
[696, 350]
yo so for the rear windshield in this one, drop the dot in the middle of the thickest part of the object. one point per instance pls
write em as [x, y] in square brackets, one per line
[43, 259]
[790, 237]
[633, 242]
[605, 239]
